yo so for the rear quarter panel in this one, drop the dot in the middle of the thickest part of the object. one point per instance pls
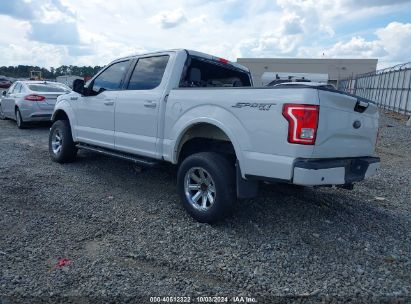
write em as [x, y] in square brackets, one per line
[250, 117]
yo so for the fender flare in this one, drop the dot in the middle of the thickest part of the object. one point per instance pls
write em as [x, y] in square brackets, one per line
[65, 107]
[199, 115]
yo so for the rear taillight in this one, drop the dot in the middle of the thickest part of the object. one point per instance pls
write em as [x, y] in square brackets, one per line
[302, 123]
[34, 97]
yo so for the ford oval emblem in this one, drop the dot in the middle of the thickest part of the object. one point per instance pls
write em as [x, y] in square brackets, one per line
[356, 124]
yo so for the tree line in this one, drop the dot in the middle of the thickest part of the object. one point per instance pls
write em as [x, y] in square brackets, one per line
[23, 71]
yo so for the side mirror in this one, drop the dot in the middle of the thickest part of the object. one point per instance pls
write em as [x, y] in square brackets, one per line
[78, 86]
[4, 93]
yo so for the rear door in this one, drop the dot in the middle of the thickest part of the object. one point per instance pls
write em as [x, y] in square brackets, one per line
[137, 107]
[95, 113]
[347, 127]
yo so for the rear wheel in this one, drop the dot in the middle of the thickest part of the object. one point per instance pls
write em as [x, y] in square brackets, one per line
[206, 185]
[61, 146]
[19, 121]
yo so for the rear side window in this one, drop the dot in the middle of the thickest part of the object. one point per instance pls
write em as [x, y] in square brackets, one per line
[111, 78]
[46, 88]
[148, 73]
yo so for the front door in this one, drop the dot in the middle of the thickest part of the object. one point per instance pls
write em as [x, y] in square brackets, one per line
[8, 102]
[95, 111]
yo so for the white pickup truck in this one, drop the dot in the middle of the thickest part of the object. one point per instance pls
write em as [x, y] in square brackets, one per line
[201, 113]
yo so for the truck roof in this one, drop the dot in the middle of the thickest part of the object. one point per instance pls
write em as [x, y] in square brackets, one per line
[193, 53]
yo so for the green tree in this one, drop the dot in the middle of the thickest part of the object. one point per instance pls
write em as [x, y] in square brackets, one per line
[23, 71]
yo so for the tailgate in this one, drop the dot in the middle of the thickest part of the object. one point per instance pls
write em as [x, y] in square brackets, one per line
[347, 126]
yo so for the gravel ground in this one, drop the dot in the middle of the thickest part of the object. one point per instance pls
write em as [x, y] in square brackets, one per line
[127, 236]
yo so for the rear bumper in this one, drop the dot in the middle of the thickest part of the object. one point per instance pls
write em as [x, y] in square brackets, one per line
[337, 171]
[32, 115]
[40, 117]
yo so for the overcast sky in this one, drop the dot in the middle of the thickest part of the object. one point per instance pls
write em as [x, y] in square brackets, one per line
[93, 32]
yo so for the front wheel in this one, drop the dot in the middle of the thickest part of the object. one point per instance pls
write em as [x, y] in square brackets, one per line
[2, 115]
[206, 185]
[61, 146]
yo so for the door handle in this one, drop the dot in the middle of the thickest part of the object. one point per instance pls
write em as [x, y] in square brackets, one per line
[150, 104]
[109, 102]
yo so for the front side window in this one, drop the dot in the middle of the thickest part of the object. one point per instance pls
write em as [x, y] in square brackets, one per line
[148, 73]
[111, 78]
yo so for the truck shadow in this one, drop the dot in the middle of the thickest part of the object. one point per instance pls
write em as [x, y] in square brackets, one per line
[317, 218]
[39, 125]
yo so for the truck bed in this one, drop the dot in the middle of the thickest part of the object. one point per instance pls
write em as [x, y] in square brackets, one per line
[252, 117]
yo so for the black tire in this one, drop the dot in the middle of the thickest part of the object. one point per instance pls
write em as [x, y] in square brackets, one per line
[222, 174]
[2, 116]
[19, 121]
[68, 151]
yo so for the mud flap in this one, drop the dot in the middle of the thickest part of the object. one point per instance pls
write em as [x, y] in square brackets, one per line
[245, 188]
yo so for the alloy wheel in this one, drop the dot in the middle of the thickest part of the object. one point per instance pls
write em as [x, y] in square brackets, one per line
[199, 188]
[56, 142]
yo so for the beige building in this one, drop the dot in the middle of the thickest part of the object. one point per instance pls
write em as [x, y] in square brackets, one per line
[335, 68]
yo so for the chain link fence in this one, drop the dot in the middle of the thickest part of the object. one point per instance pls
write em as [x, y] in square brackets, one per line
[390, 88]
